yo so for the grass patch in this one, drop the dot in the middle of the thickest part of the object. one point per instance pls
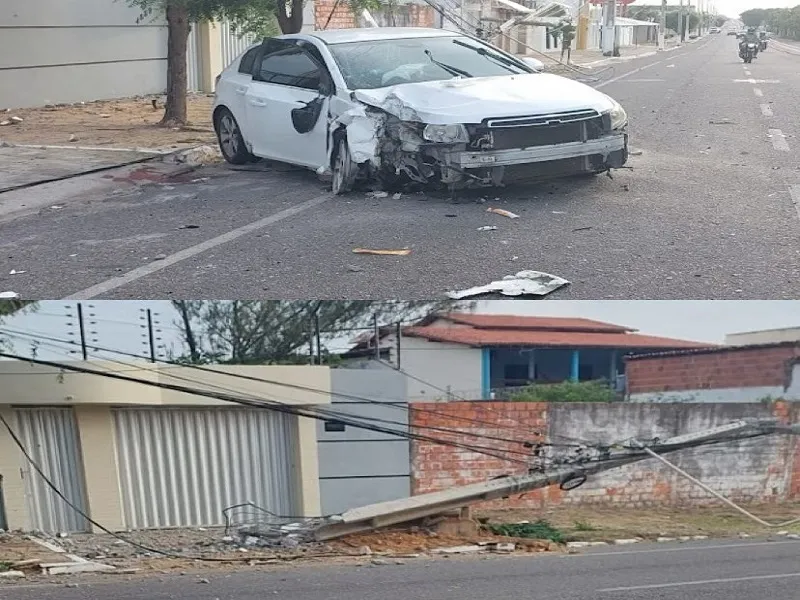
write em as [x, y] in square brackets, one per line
[5, 566]
[538, 530]
[584, 526]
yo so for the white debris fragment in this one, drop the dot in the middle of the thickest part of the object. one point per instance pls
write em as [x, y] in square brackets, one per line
[532, 283]
[488, 228]
[457, 550]
[397, 196]
[8, 295]
[12, 575]
[378, 194]
[15, 272]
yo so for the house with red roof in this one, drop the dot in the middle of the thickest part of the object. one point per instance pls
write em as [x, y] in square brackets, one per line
[478, 356]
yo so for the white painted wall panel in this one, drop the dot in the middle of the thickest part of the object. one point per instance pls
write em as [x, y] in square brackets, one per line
[182, 467]
[50, 436]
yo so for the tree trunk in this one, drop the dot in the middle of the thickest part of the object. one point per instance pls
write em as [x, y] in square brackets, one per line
[175, 113]
[290, 23]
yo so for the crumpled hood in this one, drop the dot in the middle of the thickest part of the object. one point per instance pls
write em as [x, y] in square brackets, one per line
[472, 100]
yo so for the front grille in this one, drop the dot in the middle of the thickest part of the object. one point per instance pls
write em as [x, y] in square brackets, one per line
[538, 130]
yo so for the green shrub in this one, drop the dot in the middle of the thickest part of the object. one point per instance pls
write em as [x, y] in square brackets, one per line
[538, 530]
[568, 391]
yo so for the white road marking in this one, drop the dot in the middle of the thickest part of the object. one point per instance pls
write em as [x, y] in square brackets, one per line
[656, 586]
[766, 110]
[758, 92]
[149, 269]
[645, 80]
[794, 192]
[755, 81]
[779, 140]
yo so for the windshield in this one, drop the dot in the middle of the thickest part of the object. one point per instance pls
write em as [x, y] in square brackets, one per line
[381, 63]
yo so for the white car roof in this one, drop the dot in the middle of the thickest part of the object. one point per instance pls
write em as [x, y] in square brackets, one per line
[370, 34]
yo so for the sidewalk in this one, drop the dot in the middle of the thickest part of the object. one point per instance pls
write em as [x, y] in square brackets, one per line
[593, 58]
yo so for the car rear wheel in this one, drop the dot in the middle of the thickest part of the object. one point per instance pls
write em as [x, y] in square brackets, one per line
[344, 170]
[231, 142]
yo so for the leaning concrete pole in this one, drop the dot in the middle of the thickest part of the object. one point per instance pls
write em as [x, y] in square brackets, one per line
[609, 27]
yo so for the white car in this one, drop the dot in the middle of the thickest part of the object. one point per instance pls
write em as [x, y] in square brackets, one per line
[411, 106]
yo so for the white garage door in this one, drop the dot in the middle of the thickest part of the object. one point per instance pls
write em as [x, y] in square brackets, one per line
[182, 467]
[50, 436]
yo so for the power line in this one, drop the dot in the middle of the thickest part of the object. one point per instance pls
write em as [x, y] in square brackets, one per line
[315, 412]
[330, 392]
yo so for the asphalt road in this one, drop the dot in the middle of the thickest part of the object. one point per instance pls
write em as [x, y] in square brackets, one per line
[702, 571]
[706, 212]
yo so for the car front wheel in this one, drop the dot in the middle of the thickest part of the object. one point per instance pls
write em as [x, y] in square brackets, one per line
[344, 170]
[231, 142]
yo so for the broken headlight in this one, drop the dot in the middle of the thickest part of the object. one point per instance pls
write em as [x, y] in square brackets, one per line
[619, 118]
[445, 134]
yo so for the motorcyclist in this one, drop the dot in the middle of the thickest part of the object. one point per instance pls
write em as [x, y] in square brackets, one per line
[750, 37]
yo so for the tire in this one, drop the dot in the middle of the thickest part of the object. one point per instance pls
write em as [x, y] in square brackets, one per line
[344, 170]
[231, 142]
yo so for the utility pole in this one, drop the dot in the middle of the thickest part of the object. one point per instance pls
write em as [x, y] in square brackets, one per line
[680, 23]
[662, 31]
[610, 28]
[377, 333]
[82, 331]
[150, 336]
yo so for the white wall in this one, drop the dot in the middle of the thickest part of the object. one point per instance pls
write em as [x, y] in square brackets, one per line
[54, 51]
[440, 366]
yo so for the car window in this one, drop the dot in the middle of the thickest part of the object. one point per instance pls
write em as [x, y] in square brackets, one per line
[382, 63]
[292, 67]
[249, 58]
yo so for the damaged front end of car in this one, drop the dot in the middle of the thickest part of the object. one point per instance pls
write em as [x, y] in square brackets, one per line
[392, 145]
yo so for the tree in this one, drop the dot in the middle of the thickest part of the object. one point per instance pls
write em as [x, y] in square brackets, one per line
[250, 16]
[10, 307]
[279, 331]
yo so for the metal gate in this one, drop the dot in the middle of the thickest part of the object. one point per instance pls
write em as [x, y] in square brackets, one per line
[183, 466]
[50, 436]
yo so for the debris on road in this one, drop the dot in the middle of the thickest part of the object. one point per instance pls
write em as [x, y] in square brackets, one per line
[403, 252]
[378, 194]
[488, 228]
[524, 283]
[15, 272]
[721, 122]
[503, 212]
[587, 228]
[195, 157]
[8, 295]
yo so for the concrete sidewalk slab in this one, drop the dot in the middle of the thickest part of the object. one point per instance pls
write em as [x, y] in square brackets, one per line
[25, 166]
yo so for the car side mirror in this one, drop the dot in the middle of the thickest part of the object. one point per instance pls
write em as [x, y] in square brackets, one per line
[534, 63]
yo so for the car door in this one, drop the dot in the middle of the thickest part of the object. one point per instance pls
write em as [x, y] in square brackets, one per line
[238, 82]
[287, 106]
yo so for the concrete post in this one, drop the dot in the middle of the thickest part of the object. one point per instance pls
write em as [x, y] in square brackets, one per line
[11, 463]
[210, 37]
[307, 467]
[100, 474]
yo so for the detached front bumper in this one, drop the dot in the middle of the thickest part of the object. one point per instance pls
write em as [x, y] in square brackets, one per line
[608, 146]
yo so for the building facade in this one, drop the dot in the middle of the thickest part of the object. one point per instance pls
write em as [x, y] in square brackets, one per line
[481, 357]
[135, 456]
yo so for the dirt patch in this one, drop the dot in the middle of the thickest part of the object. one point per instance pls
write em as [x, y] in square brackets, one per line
[609, 523]
[124, 123]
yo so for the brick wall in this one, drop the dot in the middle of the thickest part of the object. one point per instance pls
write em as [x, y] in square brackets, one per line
[763, 470]
[762, 366]
[343, 17]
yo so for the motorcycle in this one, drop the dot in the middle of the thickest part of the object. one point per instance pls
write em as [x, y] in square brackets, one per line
[763, 45]
[748, 52]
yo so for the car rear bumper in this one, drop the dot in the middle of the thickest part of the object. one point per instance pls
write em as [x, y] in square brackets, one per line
[604, 146]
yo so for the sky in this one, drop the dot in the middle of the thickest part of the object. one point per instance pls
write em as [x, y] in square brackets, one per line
[121, 324]
[733, 8]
